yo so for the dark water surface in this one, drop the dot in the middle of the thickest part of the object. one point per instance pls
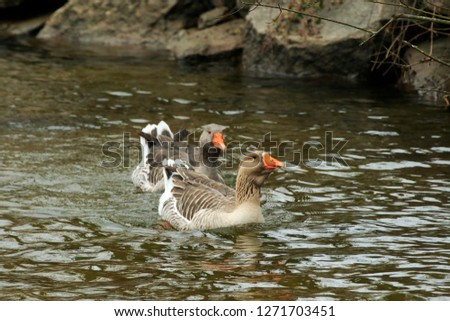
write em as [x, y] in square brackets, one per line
[375, 228]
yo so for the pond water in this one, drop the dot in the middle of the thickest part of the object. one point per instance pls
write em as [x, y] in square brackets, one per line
[374, 226]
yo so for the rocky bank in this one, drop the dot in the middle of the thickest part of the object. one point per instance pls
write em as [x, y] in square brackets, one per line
[264, 40]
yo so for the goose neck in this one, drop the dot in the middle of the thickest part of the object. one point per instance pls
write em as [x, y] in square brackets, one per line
[247, 190]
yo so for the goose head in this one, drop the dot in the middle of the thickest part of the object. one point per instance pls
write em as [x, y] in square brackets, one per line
[257, 166]
[212, 137]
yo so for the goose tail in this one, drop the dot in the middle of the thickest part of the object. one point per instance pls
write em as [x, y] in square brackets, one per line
[164, 129]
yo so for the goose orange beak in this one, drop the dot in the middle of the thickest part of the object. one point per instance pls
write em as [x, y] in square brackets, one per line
[271, 163]
[218, 142]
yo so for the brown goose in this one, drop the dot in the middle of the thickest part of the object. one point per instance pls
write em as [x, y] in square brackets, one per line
[192, 201]
[158, 141]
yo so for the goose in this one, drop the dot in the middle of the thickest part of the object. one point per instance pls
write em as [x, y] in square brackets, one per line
[206, 157]
[192, 201]
[143, 176]
[158, 142]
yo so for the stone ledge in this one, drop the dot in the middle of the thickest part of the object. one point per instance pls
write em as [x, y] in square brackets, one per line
[216, 41]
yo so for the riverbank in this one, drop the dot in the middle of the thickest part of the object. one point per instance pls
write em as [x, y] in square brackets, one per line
[265, 40]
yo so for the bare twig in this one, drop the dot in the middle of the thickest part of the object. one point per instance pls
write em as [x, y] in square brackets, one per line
[443, 62]
[233, 12]
[406, 6]
[374, 34]
[422, 18]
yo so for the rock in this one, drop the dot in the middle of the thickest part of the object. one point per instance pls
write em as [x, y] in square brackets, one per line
[429, 78]
[212, 17]
[188, 11]
[10, 3]
[151, 24]
[111, 22]
[24, 17]
[224, 3]
[242, 8]
[309, 47]
[216, 42]
[22, 27]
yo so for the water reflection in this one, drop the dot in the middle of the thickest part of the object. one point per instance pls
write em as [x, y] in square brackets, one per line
[374, 228]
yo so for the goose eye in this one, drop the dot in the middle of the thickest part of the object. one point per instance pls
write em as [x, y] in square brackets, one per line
[209, 132]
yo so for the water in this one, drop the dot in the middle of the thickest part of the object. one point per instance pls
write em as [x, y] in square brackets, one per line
[373, 228]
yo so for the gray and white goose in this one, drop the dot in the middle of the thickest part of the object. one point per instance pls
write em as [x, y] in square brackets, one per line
[192, 201]
[205, 157]
[158, 142]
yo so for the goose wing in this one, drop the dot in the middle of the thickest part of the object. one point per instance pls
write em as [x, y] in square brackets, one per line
[201, 180]
[188, 193]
